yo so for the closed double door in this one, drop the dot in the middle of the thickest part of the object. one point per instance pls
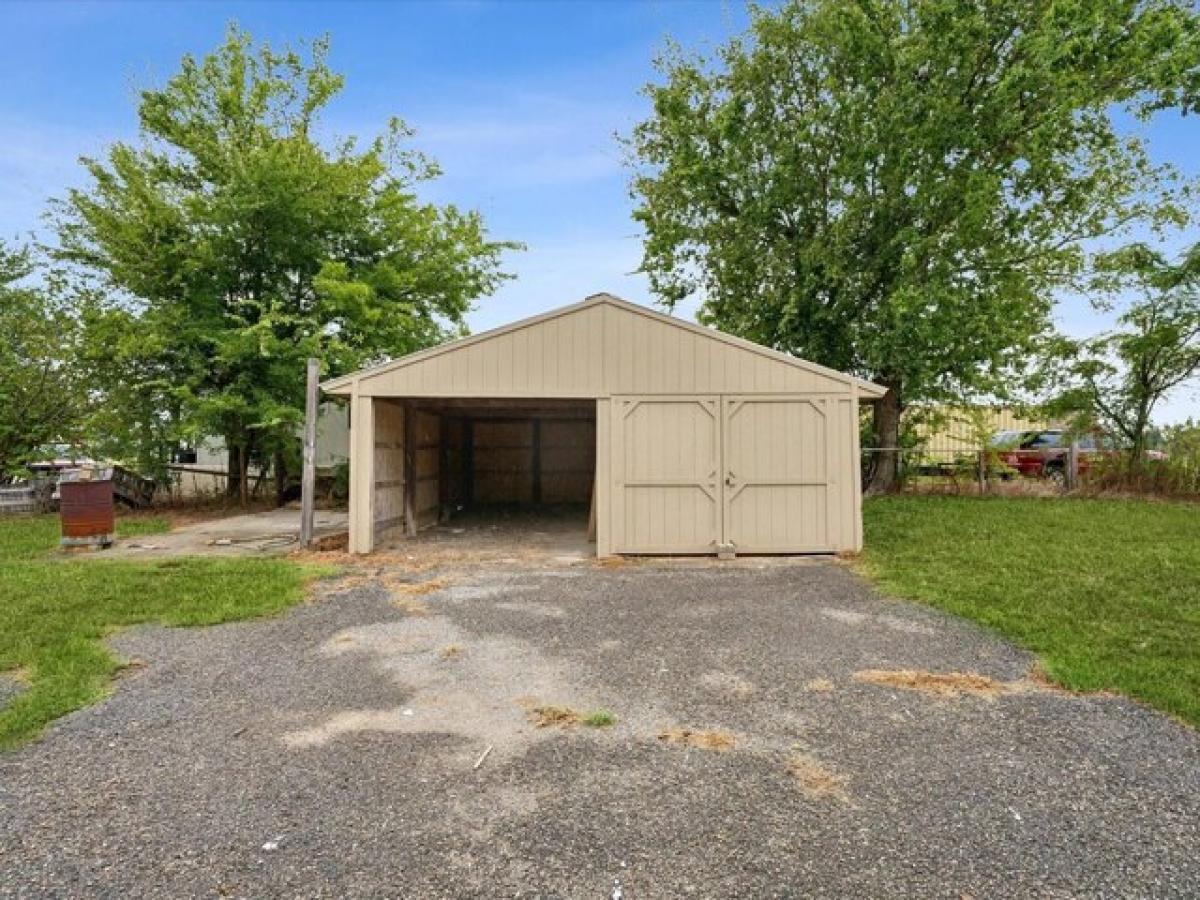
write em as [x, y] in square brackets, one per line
[693, 474]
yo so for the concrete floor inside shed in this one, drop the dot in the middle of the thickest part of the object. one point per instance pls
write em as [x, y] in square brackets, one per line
[555, 534]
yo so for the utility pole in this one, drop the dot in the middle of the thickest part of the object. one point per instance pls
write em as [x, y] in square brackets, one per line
[308, 478]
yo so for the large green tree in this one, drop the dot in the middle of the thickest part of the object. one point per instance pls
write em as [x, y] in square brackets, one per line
[897, 187]
[43, 400]
[235, 239]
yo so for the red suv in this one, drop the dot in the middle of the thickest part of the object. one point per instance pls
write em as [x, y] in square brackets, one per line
[1044, 453]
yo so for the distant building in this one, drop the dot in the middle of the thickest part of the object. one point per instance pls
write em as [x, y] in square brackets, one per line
[207, 472]
[949, 430]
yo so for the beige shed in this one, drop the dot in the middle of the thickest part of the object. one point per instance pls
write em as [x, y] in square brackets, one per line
[670, 438]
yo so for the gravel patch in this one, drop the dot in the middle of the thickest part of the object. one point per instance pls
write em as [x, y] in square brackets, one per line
[10, 686]
[332, 752]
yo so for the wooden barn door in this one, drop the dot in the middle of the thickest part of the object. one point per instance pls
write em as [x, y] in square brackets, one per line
[666, 474]
[778, 485]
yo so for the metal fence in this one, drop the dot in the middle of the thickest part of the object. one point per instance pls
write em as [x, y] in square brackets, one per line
[985, 470]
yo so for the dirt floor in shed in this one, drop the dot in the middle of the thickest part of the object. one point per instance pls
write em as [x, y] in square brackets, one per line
[779, 731]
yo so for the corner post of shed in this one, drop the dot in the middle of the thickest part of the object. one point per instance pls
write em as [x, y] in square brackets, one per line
[362, 472]
[856, 467]
[601, 492]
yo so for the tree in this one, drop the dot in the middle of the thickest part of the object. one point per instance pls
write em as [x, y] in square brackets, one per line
[42, 399]
[236, 244]
[1123, 375]
[896, 187]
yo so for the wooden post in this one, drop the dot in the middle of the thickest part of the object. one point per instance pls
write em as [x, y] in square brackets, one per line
[983, 471]
[362, 471]
[308, 476]
[410, 470]
[468, 462]
[537, 461]
[1072, 473]
[443, 469]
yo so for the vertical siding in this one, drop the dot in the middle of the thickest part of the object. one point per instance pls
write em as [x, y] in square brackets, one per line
[666, 461]
[554, 357]
[595, 351]
[956, 429]
[426, 463]
[389, 464]
[780, 454]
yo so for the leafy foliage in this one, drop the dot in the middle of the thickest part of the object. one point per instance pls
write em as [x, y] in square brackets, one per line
[895, 187]
[42, 398]
[236, 244]
[1120, 377]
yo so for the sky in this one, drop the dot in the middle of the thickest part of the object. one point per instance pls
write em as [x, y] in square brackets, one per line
[519, 102]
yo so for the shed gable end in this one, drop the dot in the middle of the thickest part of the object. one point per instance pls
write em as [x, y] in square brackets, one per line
[597, 348]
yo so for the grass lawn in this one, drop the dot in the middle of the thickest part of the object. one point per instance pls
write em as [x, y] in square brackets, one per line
[1106, 592]
[55, 612]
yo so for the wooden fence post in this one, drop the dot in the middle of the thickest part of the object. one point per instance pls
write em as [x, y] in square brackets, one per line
[1072, 479]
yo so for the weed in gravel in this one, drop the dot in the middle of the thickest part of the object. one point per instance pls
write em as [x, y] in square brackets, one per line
[818, 686]
[450, 651]
[714, 739]
[599, 718]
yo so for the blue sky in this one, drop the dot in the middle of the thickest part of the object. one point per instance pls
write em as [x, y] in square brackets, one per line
[518, 101]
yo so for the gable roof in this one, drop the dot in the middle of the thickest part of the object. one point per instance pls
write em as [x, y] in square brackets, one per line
[343, 386]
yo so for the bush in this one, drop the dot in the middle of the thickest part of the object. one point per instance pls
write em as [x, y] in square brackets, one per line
[1176, 474]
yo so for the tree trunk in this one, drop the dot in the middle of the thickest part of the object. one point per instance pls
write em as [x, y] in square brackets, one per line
[1137, 448]
[233, 468]
[280, 477]
[886, 469]
[244, 475]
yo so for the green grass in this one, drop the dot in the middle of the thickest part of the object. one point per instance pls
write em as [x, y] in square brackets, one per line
[1106, 592]
[140, 526]
[599, 718]
[55, 612]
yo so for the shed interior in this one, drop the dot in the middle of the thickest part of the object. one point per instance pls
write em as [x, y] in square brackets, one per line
[477, 460]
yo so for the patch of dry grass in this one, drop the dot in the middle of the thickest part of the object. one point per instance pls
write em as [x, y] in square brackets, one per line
[554, 716]
[332, 542]
[399, 585]
[411, 605]
[714, 739]
[406, 594]
[816, 780]
[940, 684]
[22, 675]
[450, 651]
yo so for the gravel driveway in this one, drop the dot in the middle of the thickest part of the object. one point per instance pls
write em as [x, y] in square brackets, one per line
[775, 736]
